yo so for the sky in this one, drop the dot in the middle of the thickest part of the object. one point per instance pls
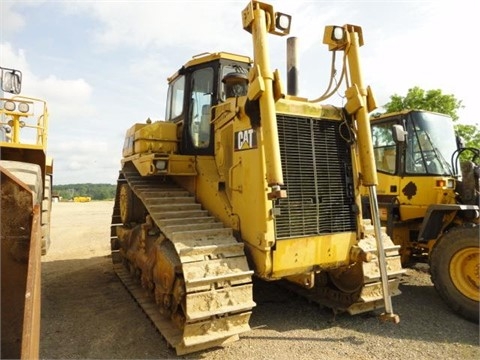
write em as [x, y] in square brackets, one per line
[103, 65]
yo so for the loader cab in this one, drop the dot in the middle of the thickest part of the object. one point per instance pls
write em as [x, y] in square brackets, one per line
[413, 152]
[193, 91]
[425, 149]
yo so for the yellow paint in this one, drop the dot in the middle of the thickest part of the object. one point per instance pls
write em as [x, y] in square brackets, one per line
[158, 137]
[300, 255]
[427, 192]
[82, 199]
[463, 270]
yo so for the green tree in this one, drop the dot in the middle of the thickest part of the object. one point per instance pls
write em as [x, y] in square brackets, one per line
[430, 100]
[434, 100]
[470, 135]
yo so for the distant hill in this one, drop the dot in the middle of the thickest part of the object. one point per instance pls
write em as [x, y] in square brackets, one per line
[94, 191]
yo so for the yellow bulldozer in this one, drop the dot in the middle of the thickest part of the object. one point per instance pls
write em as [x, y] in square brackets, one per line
[429, 201]
[26, 180]
[243, 180]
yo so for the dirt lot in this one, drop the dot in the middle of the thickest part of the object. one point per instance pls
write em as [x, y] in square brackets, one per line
[87, 314]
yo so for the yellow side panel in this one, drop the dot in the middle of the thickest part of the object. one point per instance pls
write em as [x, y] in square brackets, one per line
[175, 164]
[128, 141]
[294, 256]
[416, 193]
[134, 128]
[158, 137]
[387, 184]
[158, 130]
[210, 195]
[181, 165]
[247, 183]
[412, 212]
[154, 146]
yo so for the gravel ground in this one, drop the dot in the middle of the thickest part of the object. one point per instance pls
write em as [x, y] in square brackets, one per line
[87, 314]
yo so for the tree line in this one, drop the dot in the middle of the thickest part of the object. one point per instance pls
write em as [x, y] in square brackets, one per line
[94, 191]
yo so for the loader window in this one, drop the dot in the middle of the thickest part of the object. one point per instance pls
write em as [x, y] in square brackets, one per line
[430, 142]
[200, 104]
[175, 99]
[385, 149]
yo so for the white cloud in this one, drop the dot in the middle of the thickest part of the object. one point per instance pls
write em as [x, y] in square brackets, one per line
[11, 57]
[78, 160]
[11, 21]
[69, 97]
[159, 24]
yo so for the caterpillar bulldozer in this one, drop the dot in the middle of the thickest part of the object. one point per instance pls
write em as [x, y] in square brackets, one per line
[26, 180]
[243, 180]
[429, 201]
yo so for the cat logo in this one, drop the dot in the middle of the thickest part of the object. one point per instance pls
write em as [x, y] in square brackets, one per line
[245, 140]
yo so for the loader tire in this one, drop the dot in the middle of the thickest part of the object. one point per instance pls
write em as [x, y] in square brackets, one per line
[454, 269]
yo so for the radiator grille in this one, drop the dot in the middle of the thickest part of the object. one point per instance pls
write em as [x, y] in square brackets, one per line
[317, 174]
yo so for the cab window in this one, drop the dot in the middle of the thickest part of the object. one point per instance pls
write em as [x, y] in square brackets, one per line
[201, 97]
[385, 149]
[175, 98]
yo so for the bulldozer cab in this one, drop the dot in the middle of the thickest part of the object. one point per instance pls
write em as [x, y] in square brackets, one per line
[427, 147]
[194, 90]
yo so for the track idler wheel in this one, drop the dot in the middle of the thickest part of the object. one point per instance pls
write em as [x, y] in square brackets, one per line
[131, 208]
[348, 280]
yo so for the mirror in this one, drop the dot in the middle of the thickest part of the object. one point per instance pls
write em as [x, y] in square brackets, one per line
[398, 133]
[11, 81]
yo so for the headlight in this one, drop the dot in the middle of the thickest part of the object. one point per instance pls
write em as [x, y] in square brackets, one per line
[445, 183]
[336, 37]
[9, 105]
[23, 107]
[282, 22]
[338, 33]
[161, 164]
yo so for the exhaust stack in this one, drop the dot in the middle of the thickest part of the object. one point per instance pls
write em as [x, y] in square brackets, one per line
[292, 68]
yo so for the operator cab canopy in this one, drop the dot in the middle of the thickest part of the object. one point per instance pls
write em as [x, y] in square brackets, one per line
[203, 82]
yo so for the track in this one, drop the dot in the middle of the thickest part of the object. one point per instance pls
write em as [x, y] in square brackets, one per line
[190, 275]
[183, 267]
[358, 288]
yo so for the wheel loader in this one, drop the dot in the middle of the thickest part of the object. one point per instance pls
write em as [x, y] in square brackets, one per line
[429, 201]
[26, 180]
[242, 180]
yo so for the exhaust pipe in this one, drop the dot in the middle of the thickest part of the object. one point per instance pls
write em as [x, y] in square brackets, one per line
[292, 69]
